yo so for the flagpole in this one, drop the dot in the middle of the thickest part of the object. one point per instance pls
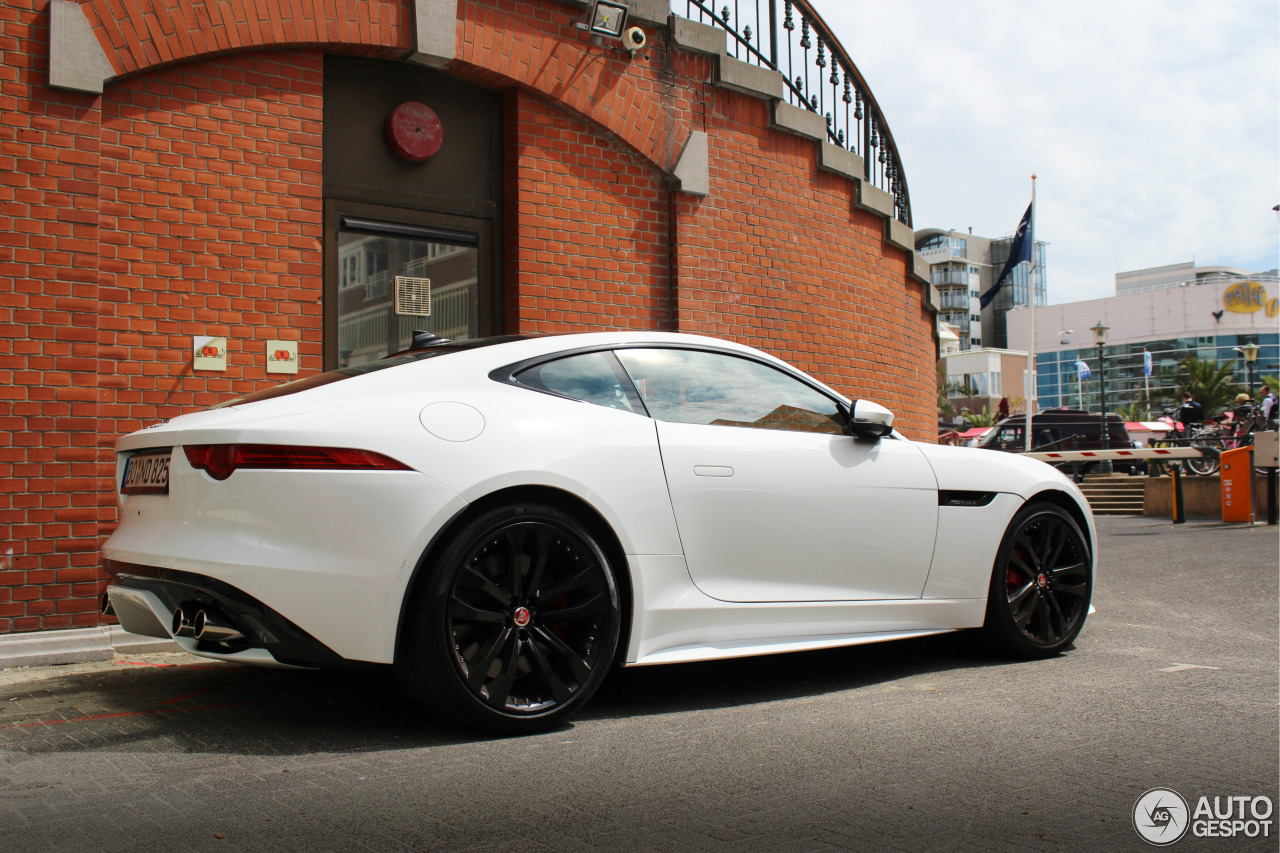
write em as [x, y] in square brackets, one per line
[1031, 340]
[1146, 378]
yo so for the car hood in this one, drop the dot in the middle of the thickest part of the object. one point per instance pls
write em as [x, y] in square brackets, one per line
[972, 469]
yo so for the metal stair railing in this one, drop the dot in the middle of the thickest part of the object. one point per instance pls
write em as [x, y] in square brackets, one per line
[819, 76]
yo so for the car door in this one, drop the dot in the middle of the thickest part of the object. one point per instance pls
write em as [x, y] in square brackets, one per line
[772, 500]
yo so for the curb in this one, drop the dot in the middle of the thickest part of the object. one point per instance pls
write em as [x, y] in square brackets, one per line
[75, 645]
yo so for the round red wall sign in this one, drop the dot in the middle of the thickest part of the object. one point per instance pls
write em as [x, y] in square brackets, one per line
[414, 131]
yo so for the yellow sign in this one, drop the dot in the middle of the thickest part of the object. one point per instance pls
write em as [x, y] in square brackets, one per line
[282, 356]
[1247, 297]
[210, 353]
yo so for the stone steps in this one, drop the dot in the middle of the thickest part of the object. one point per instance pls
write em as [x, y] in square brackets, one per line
[1116, 494]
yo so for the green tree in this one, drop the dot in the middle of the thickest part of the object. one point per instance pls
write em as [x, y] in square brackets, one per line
[980, 419]
[948, 388]
[1209, 381]
[944, 405]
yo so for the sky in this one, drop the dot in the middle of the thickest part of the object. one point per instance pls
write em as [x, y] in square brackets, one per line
[1153, 126]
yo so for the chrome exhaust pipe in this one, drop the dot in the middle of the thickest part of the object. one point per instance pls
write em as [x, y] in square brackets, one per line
[183, 625]
[209, 629]
[104, 607]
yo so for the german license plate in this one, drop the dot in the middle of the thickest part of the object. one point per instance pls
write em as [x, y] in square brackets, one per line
[146, 473]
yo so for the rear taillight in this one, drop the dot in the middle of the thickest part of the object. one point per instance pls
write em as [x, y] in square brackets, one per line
[220, 461]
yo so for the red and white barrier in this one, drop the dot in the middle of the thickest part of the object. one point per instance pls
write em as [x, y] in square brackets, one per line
[1133, 453]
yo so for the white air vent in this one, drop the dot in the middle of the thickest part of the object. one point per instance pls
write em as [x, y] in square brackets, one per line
[413, 296]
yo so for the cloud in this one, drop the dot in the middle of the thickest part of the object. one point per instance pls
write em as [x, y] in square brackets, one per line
[1153, 126]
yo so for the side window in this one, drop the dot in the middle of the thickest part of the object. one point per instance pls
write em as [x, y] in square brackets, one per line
[593, 377]
[691, 387]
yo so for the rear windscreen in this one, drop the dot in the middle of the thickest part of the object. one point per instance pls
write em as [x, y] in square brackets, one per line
[347, 372]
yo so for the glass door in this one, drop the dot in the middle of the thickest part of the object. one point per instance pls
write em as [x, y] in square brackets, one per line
[395, 277]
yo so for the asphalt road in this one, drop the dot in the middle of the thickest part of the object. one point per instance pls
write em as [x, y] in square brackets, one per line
[916, 746]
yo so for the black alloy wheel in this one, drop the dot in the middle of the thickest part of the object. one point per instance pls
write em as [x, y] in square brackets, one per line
[1041, 584]
[519, 625]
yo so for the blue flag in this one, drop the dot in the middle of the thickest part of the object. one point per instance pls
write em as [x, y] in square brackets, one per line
[1146, 363]
[1082, 371]
[1019, 250]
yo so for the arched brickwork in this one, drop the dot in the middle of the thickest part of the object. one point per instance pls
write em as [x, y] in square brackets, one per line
[140, 36]
[523, 45]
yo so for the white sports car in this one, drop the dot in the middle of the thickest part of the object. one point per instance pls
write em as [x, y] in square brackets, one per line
[504, 519]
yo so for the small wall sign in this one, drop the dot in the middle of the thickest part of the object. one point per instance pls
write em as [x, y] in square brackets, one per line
[209, 353]
[282, 356]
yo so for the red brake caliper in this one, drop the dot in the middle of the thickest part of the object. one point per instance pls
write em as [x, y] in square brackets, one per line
[1012, 579]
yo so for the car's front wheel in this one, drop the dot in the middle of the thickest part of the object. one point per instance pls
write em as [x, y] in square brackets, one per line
[1041, 584]
[517, 624]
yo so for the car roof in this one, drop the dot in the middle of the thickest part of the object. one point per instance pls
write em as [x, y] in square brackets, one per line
[561, 342]
[512, 350]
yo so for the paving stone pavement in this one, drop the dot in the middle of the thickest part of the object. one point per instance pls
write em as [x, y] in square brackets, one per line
[925, 745]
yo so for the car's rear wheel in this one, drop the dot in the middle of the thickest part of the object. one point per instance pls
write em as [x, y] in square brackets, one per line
[1041, 584]
[517, 625]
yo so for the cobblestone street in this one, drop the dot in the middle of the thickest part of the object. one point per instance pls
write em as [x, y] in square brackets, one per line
[920, 745]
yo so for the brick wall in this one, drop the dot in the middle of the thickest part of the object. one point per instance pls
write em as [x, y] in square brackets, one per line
[778, 257]
[188, 200]
[184, 202]
[587, 231]
[49, 166]
[211, 224]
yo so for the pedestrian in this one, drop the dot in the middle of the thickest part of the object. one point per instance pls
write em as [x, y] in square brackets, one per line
[1191, 412]
[1242, 417]
[1268, 406]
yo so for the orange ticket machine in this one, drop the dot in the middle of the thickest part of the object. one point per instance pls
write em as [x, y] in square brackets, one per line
[1237, 485]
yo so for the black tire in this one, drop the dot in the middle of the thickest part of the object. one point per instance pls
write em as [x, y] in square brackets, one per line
[1041, 584]
[1205, 466]
[517, 624]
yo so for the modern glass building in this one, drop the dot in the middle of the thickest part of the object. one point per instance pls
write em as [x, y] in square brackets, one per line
[1057, 372]
[1016, 292]
[1211, 317]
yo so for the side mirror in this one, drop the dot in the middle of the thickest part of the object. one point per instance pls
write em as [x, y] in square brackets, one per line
[868, 421]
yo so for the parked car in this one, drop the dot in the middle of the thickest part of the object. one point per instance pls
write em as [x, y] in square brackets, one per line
[1061, 429]
[504, 519]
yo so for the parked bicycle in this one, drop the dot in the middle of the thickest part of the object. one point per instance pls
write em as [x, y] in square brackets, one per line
[1189, 433]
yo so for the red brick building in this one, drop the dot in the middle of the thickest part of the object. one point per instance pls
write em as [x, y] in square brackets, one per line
[173, 171]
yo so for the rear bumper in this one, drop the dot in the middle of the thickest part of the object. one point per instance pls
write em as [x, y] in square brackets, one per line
[144, 599]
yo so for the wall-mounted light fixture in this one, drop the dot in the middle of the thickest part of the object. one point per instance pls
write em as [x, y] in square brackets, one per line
[607, 18]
